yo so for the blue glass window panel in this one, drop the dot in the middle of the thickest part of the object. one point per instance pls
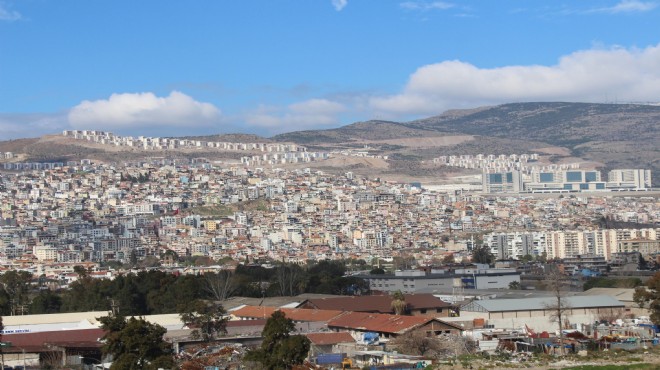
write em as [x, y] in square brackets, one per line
[495, 178]
[573, 176]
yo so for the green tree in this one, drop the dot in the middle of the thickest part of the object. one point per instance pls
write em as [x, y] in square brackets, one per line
[81, 271]
[482, 254]
[135, 344]
[132, 259]
[207, 319]
[377, 271]
[527, 258]
[280, 349]
[46, 302]
[543, 258]
[17, 285]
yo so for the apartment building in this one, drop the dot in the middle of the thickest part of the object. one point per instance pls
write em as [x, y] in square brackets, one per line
[629, 179]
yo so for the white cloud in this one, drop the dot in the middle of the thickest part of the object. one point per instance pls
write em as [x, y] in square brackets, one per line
[590, 75]
[8, 15]
[628, 6]
[339, 4]
[309, 114]
[424, 6]
[131, 111]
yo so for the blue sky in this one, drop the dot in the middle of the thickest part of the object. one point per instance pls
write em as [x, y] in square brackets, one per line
[174, 67]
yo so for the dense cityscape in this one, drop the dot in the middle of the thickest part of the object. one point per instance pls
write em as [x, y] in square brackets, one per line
[334, 184]
[201, 218]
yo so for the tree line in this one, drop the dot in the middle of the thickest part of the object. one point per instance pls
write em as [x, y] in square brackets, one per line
[157, 292]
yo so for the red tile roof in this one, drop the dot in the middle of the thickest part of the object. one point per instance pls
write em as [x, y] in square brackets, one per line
[376, 303]
[381, 323]
[330, 338]
[259, 312]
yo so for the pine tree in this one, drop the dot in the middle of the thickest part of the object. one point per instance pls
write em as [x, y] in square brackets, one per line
[280, 349]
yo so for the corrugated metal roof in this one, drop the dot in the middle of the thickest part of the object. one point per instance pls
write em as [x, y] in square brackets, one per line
[53, 318]
[295, 314]
[233, 302]
[531, 304]
[91, 316]
[622, 294]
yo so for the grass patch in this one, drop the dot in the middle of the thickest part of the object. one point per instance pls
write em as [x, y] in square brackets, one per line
[210, 211]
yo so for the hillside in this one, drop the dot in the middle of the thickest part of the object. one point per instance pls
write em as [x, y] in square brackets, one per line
[606, 135]
[617, 135]
[357, 132]
[597, 135]
[562, 124]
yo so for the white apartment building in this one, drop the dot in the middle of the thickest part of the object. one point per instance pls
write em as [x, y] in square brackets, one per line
[564, 244]
[516, 245]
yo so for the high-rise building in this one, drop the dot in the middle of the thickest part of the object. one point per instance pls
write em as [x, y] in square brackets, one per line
[502, 182]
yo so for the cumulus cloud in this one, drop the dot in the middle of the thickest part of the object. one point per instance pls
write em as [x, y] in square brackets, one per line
[628, 6]
[423, 5]
[339, 4]
[308, 114]
[8, 15]
[589, 75]
[123, 111]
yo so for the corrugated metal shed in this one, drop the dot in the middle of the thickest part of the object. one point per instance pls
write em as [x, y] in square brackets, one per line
[533, 304]
[622, 294]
